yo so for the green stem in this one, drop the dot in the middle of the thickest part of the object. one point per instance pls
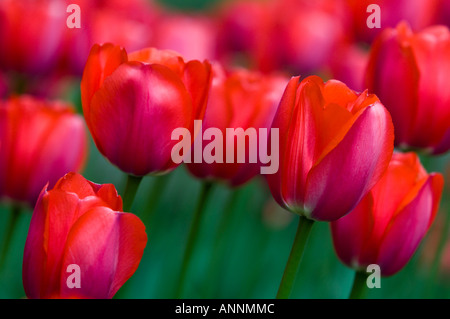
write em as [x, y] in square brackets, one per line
[131, 189]
[217, 256]
[359, 286]
[291, 270]
[15, 214]
[155, 193]
[193, 236]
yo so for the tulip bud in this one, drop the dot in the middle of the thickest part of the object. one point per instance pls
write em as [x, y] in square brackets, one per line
[78, 229]
[334, 146]
[40, 141]
[132, 103]
[390, 221]
[410, 74]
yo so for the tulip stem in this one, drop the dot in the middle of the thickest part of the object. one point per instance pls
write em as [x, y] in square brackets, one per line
[159, 185]
[193, 236]
[293, 263]
[15, 213]
[359, 286]
[131, 189]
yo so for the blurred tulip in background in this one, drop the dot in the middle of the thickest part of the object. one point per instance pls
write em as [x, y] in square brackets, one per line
[410, 73]
[40, 141]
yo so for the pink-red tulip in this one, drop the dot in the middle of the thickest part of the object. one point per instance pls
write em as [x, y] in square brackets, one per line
[348, 64]
[31, 33]
[390, 221]
[81, 223]
[419, 13]
[40, 141]
[178, 32]
[334, 146]
[238, 99]
[129, 24]
[410, 74]
[133, 102]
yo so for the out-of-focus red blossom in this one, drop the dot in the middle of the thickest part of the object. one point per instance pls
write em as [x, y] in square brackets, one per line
[334, 146]
[443, 12]
[81, 223]
[194, 37]
[238, 99]
[248, 27]
[31, 34]
[388, 224]
[310, 32]
[129, 24]
[348, 64]
[418, 13]
[410, 73]
[281, 34]
[39, 142]
[133, 102]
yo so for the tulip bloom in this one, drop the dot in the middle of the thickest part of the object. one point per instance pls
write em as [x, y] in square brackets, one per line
[388, 224]
[410, 74]
[31, 34]
[334, 146]
[81, 223]
[133, 102]
[243, 100]
[40, 141]
[419, 13]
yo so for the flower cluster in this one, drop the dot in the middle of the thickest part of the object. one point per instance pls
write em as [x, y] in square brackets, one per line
[314, 96]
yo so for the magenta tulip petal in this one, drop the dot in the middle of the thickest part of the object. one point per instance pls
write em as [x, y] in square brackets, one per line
[331, 192]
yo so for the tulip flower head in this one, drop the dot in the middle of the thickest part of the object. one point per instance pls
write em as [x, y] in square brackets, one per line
[410, 73]
[390, 221]
[80, 226]
[243, 102]
[133, 102]
[40, 141]
[334, 146]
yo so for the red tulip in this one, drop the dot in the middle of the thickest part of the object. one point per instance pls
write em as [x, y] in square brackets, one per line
[81, 223]
[388, 224]
[410, 74]
[39, 142]
[310, 32]
[334, 146]
[419, 13]
[129, 24]
[248, 27]
[348, 64]
[132, 103]
[31, 34]
[239, 99]
[178, 32]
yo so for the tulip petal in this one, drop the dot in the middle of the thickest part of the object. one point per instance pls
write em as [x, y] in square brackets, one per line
[388, 54]
[352, 231]
[331, 193]
[115, 243]
[102, 62]
[34, 259]
[134, 113]
[409, 226]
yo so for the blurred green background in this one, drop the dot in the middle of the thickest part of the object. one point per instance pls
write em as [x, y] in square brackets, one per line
[244, 240]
